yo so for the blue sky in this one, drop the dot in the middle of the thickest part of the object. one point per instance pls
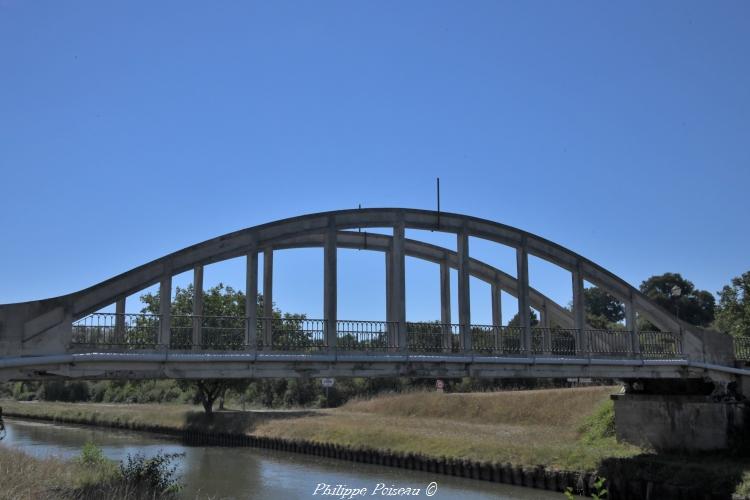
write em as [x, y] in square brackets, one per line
[131, 130]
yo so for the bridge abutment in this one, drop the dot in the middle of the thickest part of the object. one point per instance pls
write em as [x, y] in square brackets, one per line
[680, 415]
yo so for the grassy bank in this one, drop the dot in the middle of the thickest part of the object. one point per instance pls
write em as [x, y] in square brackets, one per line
[25, 477]
[522, 427]
[567, 429]
[542, 427]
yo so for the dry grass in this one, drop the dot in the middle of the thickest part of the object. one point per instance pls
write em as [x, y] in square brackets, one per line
[558, 407]
[521, 427]
[17, 468]
[120, 415]
[23, 477]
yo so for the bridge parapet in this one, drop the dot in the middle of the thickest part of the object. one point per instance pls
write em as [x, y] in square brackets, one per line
[134, 332]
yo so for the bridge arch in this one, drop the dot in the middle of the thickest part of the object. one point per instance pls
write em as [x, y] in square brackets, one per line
[43, 327]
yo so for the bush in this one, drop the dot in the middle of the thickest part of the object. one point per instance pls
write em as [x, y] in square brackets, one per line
[91, 454]
[157, 473]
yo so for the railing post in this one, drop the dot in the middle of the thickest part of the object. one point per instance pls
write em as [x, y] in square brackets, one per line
[120, 321]
[579, 317]
[632, 326]
[268, 297]
[524, 310]
[464, 296]
[165, 311]
[329, 285]
[398, 280]
[251, 300]
[445, 306]
[197, 340]
[497, 314]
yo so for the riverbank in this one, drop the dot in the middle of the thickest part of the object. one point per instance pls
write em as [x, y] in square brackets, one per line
[520, 427]
[530, 438]
[25, 477]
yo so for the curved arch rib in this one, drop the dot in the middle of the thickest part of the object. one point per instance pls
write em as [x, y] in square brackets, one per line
[30, 325]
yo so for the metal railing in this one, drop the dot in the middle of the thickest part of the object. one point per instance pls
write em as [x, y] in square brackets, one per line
[366, 335]
[742, 348]
[298, 334]
[125, 331]
[655, 345]
[609, 342]
[292, 334]
[425, 337]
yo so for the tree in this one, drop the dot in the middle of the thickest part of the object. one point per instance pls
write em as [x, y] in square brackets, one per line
[208, 391]
[516, 320]
[733, 311]
[222, 327]
[692, 305]
[602, 309]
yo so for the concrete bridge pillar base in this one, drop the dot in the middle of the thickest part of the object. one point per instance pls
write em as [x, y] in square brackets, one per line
[681, 422]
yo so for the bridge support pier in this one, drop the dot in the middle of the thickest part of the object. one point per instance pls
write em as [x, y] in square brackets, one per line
[680, 415]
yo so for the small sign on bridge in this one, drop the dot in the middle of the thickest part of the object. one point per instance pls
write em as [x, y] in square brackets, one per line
[439, 385]
[327, 382]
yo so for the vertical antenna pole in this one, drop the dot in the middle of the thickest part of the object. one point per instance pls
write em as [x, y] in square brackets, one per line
[438, 202]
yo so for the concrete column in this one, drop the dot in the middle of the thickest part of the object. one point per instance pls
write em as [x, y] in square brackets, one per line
[579, 314]
[544, 323]
[524, 310]
[497, 315]
[268, 297]
[398, 280]
[631, 324]
[329, 286]
[464, 305]
[120, 321]
[165, 311]
[197, 340]
[545, 319]
[392, 333]
[497, 306]
[251, 300]
[445, 305]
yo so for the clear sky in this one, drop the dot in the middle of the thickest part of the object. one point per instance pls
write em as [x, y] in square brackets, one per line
[130, 130]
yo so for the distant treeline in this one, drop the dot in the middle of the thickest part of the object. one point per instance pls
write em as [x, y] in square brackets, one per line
[269, 393]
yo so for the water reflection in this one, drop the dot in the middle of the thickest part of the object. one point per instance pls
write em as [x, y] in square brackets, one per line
[242, 473]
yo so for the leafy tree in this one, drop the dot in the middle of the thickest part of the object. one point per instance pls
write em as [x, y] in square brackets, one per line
[733, 311]
[692, 305]
[208, 391]
[516, 320]
[603, 310]
[223, 328]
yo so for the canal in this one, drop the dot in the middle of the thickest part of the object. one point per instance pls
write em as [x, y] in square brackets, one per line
[240, 473]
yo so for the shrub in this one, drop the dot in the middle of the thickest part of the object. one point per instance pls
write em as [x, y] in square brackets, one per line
[157, 473]
[91, 454]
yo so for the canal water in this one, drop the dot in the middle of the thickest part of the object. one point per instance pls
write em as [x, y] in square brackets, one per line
[252, 473]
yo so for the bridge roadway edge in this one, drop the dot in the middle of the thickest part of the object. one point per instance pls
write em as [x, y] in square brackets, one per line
[179, 365]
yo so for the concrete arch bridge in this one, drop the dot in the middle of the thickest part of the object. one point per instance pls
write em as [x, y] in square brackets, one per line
[66, 336]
